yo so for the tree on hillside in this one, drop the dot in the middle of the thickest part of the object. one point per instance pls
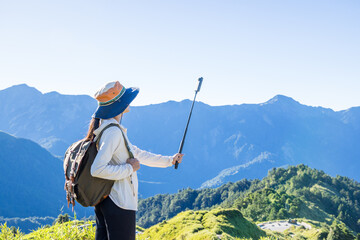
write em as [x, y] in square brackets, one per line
[14, 230]
[338, 231]
[268, 204]
[62, 218]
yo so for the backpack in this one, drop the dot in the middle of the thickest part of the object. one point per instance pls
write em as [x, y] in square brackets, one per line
[79, 184]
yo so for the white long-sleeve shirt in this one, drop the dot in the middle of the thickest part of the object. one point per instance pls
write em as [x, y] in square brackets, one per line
[110, 163]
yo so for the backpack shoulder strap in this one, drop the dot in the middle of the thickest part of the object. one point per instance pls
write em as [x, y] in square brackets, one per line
[127, 145]
[126, 142]
[102, 131]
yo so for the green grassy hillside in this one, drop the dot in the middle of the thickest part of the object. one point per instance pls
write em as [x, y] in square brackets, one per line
[300, 191]
[74, 230]
[155, 209]
[214, 224]
[297, 191]
[329, 204]
[193, 225]
[226, 224]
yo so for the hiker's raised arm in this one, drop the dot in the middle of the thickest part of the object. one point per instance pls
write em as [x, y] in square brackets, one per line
[101, 166]
[151, 159]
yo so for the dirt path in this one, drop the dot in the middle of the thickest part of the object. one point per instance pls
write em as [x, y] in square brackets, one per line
[281, 225]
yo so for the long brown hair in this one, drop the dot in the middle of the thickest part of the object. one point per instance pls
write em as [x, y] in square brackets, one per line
[94, 124]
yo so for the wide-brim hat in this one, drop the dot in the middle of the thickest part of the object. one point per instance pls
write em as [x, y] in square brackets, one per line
[113, 99]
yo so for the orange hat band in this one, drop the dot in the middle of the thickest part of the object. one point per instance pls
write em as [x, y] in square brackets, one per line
[114, 99]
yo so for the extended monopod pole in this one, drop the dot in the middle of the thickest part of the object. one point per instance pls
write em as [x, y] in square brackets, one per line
[187, 125]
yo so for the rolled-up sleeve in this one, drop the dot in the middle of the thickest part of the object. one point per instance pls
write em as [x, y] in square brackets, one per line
[101, 167]
[151, 159]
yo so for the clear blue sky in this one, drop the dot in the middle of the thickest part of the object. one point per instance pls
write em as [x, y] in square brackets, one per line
[247, 51]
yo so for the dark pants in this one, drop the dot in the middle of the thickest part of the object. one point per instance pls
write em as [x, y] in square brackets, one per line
[114, 223]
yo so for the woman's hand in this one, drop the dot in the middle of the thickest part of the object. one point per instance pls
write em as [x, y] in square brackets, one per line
[134, 163]
[177, 158]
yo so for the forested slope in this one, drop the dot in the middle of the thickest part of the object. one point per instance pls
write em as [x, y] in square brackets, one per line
[297, 191]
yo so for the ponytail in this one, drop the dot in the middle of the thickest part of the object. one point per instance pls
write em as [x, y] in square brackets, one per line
[94, 124]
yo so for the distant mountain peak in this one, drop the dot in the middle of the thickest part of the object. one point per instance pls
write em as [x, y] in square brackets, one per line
[22, 88]
[53, 93]
[20, 85]
[281, 99]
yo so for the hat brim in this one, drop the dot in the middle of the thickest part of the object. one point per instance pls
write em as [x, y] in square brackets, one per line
[117, 107]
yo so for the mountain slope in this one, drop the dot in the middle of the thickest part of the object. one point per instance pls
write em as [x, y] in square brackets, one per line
[160, 207]
[315, 195]
[294, 192]
[52, 120]
[31, 180]
[215, 224]
[229, 143]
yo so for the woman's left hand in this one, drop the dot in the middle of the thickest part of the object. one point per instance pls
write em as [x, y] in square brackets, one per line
[177, 158]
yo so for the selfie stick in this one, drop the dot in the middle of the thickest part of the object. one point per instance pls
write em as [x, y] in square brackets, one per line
[187, 125]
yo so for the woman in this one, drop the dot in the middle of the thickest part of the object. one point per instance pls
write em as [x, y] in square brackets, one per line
[115, 216]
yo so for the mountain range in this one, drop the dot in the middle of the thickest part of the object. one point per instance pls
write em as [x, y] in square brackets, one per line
[224, 143]
[52, 120]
